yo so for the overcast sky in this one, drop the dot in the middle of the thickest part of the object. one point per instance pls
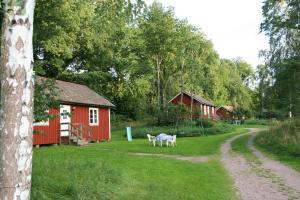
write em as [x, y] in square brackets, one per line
[232, 25]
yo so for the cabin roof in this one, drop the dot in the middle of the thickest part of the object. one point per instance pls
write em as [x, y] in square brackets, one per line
[196, 97]
[78, 94]
[228, 108]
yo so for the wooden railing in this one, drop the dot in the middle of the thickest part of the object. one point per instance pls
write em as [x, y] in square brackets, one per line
[81, 131]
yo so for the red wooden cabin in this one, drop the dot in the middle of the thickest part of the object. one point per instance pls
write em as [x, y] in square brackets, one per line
[225, 112]
[207, 108]
[83, 116]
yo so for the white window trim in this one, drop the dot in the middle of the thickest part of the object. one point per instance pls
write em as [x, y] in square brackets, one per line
[97, 112]
[204, 108]
[208, 110]
[42, 123]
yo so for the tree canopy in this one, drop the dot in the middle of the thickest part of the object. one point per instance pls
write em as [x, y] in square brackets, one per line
[282, 71]
[137, 56]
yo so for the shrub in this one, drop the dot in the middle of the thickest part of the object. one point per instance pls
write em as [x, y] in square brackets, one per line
[273, 114]
[190, 130]
[254, 121]
[282, 138]
[206, 123]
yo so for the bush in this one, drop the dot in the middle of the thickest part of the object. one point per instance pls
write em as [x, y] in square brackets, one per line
[272, 115]
[206, 123]
[283, 138]
[253, 121]
[190, 130]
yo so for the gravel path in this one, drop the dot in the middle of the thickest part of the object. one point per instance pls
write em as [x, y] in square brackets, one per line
[269, 180]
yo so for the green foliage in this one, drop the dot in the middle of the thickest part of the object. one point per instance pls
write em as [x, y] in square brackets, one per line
[283, 138]
[256, 121]
[203, 122]
[138, 57]
[45, 97]
[283, 58]
[186, 129]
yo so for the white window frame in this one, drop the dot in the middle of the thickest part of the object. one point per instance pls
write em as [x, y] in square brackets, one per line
[97, 117]
[42, 123]
[204, 108]
[208, 110]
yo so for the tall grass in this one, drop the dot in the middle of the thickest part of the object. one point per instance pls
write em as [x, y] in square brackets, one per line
[62, 177]
[283, 138]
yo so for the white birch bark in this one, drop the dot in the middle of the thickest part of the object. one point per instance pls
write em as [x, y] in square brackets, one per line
[16, 100]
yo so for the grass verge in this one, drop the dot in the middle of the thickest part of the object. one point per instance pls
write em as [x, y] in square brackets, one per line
[275, 150]
[240, 145]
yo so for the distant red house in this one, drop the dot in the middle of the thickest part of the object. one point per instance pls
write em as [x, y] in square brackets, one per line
[207, 108]
[225, 112]
[83, 116]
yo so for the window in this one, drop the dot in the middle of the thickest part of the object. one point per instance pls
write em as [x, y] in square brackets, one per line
[208, 110]
[41, 123]
[213, 110]
[204, 108]
[64, 114]
[93, 116]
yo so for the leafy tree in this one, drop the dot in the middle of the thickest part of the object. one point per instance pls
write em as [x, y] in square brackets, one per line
[280, 24]
[158, 32]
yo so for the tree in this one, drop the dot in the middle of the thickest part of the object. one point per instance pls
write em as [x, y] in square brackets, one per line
[283, 58]
[158, 31]
[16, 100]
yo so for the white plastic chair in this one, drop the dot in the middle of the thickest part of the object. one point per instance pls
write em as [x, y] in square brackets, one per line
[172, 142]
[151, 139]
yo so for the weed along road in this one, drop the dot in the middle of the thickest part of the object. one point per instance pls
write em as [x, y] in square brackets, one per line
[260, 178]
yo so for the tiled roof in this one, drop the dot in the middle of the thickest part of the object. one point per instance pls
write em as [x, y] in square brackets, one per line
[78, 94]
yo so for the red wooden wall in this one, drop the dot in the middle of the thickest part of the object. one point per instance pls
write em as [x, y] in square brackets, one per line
[224, 114]
[47, 134]
[187, 101]
[79, 114]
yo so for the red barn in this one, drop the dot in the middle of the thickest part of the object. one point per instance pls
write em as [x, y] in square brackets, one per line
[83, 116]
[225, 112]
[208, 109]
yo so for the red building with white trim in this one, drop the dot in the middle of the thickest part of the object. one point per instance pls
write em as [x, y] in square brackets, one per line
[83, 116]
[207, 108]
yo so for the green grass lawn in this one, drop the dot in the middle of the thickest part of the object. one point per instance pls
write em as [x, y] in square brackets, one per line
[271, 149]
[108, 171]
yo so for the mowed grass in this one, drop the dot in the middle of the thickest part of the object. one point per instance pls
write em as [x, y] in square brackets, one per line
[202, 146]
[109, 171]
[240, 145]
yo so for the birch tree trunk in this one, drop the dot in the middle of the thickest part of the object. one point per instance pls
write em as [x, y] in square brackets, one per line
[16, 100]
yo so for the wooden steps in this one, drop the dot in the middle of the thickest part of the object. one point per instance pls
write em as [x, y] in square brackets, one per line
[80, 134]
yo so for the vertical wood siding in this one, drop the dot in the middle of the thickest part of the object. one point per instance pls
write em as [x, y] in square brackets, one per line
[79, 114]
[224, 114]
[186, 100]
[47, 134]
